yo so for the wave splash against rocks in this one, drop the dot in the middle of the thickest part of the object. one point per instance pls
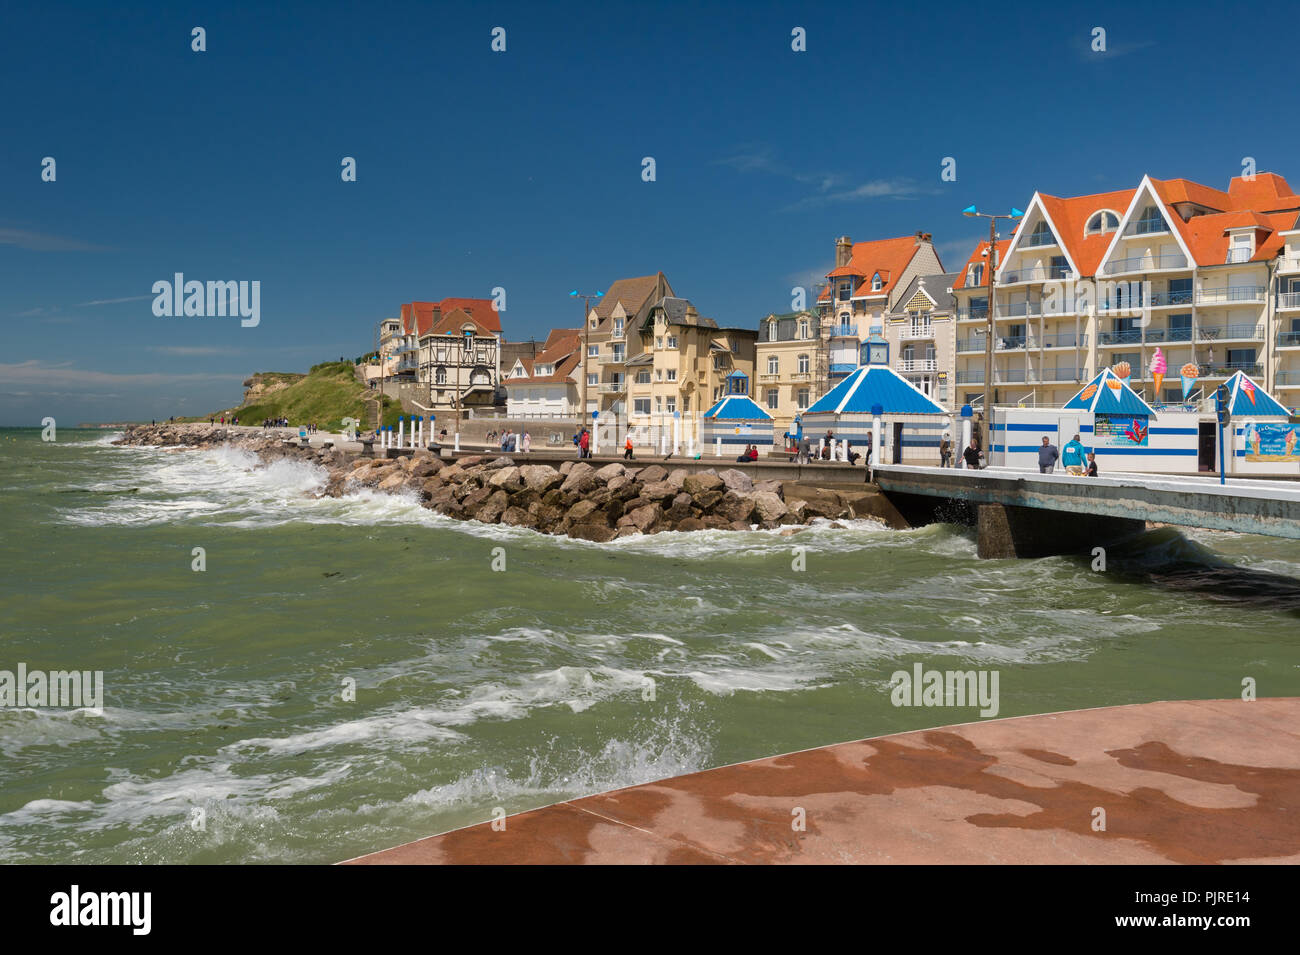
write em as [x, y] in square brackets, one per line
[576, 499]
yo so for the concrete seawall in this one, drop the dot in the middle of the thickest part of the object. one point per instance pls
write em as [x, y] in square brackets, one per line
[1195, 782]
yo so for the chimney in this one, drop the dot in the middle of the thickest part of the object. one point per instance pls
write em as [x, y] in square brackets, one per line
[923, 238]
[843, 250]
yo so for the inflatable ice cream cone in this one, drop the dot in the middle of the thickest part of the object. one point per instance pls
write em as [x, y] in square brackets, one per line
[1188, 373]
[1158, 369]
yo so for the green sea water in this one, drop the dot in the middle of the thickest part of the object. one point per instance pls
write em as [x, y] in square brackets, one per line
[226, 737]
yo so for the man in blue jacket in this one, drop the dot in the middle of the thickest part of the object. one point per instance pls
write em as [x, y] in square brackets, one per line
[1047, 456]
[1073, 455]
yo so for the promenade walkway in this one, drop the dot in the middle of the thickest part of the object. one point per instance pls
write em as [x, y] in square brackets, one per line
[1203, 781]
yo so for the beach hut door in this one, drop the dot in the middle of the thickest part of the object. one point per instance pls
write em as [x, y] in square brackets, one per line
[898, 443]
[1068, 428]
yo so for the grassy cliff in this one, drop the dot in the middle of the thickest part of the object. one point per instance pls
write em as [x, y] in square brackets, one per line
[325, 396]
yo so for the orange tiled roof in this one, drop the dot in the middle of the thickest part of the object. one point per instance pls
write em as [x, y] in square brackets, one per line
[417, 317]
[1246, 203]
[563, 349]
[978, 257]
[1071, 215]
[889, 257]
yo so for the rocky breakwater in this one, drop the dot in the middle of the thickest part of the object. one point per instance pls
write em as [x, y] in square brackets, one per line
[577, 499]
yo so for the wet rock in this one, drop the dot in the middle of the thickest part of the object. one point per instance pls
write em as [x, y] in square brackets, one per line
[541, 477]
[737, 481]
[768, 507]
[491, 510]
[690, 524]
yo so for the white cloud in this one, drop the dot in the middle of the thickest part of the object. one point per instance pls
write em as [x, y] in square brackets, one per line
[44, 375]
[41, 242]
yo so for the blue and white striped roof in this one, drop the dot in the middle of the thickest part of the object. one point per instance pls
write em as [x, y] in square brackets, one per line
[872, 385]
[1108, 399]
[737, 408]
[1239, 402]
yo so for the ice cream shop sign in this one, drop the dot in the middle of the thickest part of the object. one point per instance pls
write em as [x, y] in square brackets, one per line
[1271, 442]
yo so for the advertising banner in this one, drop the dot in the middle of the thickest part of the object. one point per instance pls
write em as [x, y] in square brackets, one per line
[1121, 430]
[1272, 442]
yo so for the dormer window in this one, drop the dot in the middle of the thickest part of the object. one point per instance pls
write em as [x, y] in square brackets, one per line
[1101, 223]
[1042, 235]
[1150, 221]
[803, 328]
[1241, 247]
[975, 275]
[877, 283]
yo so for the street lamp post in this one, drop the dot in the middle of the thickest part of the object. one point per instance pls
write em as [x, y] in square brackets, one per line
[586, 310]
[988, 276]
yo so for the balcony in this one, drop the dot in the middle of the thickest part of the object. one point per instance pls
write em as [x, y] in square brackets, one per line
[1238, 256]
[1019, 309]
[842, 368]
[1226, 369]
[1155, 226]
[1145, 263]
[1062, 340]
[915, 364]
[975, 344]
[916, 332]
[617, 358]
[1288, 300]
[1288, 339]
[1174, 333]
[1234, 295]
[844, 331]
[973, 313]
[613, 387]
[1021, 376]
[1217, 333]
[1038, 241]
[1010, 342]
[1287, 379]
[1053, 273]
[1154, 300]
[1126, 336]
[1287, 264]
[770, 376]
[801, 376]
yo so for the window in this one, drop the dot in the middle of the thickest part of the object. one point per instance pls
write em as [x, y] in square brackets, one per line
[640, 405]
[773, 365]
[1180, 328]
[618, 326]
[672, 374]
[593, 351]
[659, 374]
[617, 353]
[1150, 221]
[593, 379]
[975, 275]
[877, 283]
[672, 405]
[643, 377]
[844, 289]
[773, 398]
[771, 331]
[1180, 292]
[1102, 222]
[803, 328]
[672, 341]
[735, 347]
[440, 376]
[659, 341]
[1042, 235]
[803, 364]
[801, 398]
[686, 403]
[659, 404]
[593, 323]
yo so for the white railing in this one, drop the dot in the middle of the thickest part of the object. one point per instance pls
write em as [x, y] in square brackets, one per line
[916, 364]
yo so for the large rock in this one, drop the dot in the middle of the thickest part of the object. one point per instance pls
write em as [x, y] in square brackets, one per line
[644, 519]
[541, 477]
[652, 474]
[518, 517]
[609, 472]
[600, 533]
[580, 479]
[475, 499]
[580, 513]
[658, 491]
[691, 524]
[734, 507]
[772, 486]
[393, 482]
[491, 510]
[680, 509]
[737, 481]
[507, 479]
[768, 507]
[705, 500]
[694, 484]
[677, 477]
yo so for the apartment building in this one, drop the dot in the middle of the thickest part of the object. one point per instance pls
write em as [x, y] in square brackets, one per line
[1088, 282]
[867, 282]
[547, 384]
[785, 353]
[921, 337]
[610, 340]
[681, 369]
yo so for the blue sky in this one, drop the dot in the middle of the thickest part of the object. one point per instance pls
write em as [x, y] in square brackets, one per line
[522, 169]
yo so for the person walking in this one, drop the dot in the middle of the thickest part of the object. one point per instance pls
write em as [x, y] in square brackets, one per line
[584, 444]
[945, 451]
[1072, 456]
[1047, 456]
[627, 448]
[805, 450]
[972, 455]
[528, 442]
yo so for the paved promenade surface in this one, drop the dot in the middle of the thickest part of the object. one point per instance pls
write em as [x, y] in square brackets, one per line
[1180, 782]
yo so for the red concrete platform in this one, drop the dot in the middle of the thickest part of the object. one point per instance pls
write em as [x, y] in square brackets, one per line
[1204, 781]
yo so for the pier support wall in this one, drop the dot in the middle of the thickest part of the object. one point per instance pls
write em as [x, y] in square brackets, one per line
[1006, 530]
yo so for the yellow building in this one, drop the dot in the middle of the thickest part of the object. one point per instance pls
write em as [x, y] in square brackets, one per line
[680, 370]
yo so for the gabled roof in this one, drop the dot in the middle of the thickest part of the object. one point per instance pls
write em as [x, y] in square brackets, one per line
[563, 349]
[1248, 399]
[738, 408]
[978, 257]
[889, 257]
[556, 335]
[419, 317]
[1108, 394]
[936, 287]
[872, 385]
[634, 293]
[1070, 217]
[454, 322]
